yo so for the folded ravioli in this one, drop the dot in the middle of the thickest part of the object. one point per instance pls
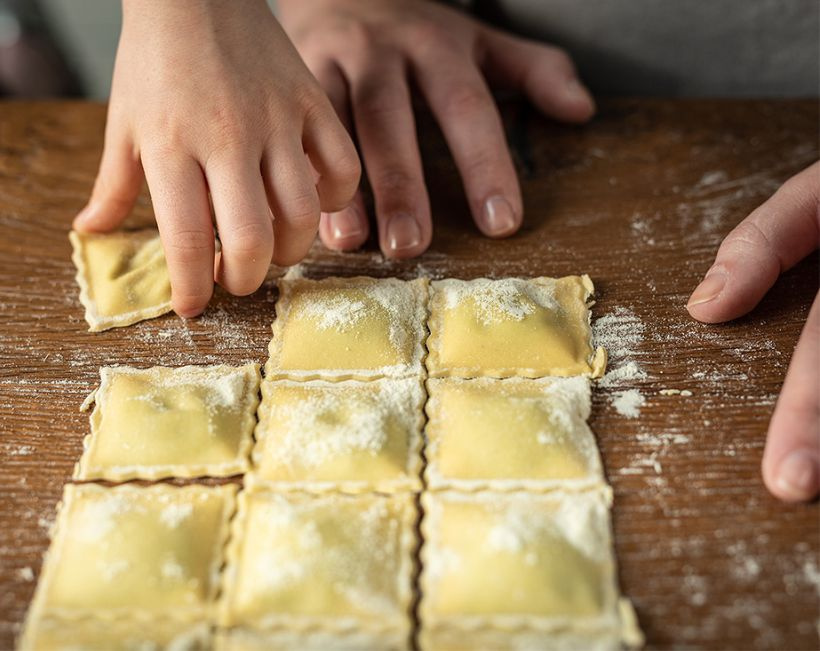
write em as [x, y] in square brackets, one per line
[349, 436]
[134, 551]
[123, 277]
[517, 560]
[192, 421]
[512, 327]
[513, 434]
[348, 328]
[329, 562]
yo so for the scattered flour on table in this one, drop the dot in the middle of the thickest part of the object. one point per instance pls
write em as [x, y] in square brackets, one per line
[621, 333]
[628, 403]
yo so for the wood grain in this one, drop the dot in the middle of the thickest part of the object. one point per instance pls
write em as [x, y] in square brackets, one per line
[639, 199]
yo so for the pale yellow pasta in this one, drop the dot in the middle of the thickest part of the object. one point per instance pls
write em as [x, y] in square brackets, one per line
[123, 277]
[512, 327]
[348, 436]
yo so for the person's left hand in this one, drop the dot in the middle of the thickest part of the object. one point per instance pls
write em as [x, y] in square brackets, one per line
[772, 239]
[366, 54]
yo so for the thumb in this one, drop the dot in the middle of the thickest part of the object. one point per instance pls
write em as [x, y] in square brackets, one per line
[772, 239]
[116, 188]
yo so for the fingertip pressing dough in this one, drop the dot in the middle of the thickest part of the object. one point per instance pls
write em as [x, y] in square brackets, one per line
[129, 552]
[328, 562]
[513, 434]
[123, 277]
[192, 421]
[348, 328]
[348, 436]
[518, 562]
[512, 327]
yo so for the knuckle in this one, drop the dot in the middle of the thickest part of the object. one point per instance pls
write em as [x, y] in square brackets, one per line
[250, 239]
[394, 181]
[188, 246]
[380, 100]
[302, 212]
[465, 99]
[747, 238]
[428, 35]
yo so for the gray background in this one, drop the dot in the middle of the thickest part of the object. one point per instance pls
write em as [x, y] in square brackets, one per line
[739, 48]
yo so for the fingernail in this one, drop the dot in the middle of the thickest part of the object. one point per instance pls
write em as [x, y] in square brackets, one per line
[499, 218]
[344, 224]
[797, 475]
[708, 289]
[403, 232]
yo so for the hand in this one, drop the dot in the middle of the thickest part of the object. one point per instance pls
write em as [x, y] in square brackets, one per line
[365, 52]
[210, 97]
[773, 238]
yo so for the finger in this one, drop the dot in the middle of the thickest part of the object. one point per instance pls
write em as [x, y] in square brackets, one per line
[348, 228]
[330, 148]
[544, 73]
[772, 239]
[243, 221]
[466, 112]
[118, 183]
[385, 126]
[180, 199]
[791, 460]
[289, 183]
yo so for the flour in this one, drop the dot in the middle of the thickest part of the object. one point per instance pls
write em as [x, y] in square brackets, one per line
[509, 299]
[628, 403]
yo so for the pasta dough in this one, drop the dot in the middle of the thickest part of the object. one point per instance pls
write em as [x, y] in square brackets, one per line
[348, 328]
[135, 552]
[123, 277]
[511, 434]
[512, 327]
[320, 562]
[349, 436]
[171, 422]
[518, 561]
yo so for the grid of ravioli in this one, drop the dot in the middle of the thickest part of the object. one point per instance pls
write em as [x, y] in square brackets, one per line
[320, 550]
[138, 566]
[517, 549]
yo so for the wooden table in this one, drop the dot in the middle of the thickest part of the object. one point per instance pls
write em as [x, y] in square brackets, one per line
[639, 199]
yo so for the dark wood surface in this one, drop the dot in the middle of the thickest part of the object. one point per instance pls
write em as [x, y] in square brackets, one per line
[639, 199]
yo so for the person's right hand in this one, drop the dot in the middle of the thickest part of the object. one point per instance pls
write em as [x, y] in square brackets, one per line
[210, 97]
[366, 54]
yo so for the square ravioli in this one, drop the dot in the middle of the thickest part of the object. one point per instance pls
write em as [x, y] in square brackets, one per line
[329, 562]
[512, 327]
[123, 277]
[513, 434]
[142, 552]
[348, 436]
[517, 560]
[348, 328]
[159, 422]
[93, 634]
